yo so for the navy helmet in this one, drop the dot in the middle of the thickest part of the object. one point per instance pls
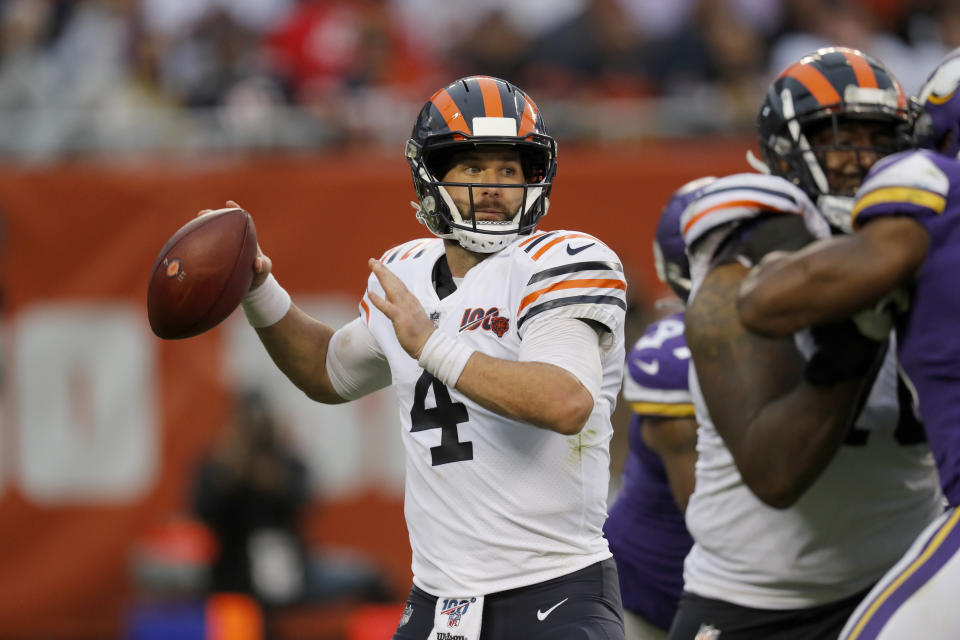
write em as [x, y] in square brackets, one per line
[473, 113]
[669, 249]
[938, 123]
[825, 89]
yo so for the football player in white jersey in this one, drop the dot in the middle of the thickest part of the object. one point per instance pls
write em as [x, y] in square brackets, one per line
[796, 513]
[905, 257]
[505, 347]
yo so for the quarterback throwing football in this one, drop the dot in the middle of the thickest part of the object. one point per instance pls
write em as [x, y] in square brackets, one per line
[505, 347]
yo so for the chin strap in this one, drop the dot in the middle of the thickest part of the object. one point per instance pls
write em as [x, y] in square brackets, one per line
[756, 163]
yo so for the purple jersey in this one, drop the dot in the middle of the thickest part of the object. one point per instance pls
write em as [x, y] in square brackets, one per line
[926, 187]
[645, 528]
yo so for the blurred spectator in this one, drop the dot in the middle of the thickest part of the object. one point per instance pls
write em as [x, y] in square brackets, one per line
[477, 53]
[327, 47]
[108, 75]
[598, 51]
[933, 34]
[719, 58]
[847, 23]
[447, 23]
[173, 17]
[252, 491]
[205, 49]
[64, 58]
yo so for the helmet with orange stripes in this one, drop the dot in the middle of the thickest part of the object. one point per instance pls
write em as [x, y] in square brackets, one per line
[669, 248]
[938, 125]
[476, 113]
[820, 94]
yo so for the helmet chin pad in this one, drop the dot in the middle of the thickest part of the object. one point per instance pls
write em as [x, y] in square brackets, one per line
[488, 236]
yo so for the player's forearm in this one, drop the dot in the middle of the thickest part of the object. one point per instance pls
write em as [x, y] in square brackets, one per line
[298, 345]
[539, 394]
[780, 430]
[791, 440]
[831, 279]
[809, 287]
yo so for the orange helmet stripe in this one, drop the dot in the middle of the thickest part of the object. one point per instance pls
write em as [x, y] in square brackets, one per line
[450, 112]
[815, 82]
[865, 75]
[528, 121]
[492, 104]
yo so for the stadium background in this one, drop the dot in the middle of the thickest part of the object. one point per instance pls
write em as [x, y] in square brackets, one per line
[120, 119]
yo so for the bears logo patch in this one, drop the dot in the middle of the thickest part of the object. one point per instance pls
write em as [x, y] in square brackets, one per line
[488, 320]
[499, 325]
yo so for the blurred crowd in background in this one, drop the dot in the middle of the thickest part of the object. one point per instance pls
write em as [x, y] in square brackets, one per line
[82, 76]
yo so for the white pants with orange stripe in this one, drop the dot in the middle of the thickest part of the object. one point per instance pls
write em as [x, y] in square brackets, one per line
[918, 597]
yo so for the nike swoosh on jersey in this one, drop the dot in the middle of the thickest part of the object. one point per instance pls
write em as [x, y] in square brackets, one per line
[649, 368]
[573, 252]
[542, 615]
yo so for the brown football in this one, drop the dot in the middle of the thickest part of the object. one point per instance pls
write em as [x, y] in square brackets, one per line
[201, 274]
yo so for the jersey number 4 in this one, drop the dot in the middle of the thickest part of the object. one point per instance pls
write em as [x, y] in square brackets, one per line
[445, 416]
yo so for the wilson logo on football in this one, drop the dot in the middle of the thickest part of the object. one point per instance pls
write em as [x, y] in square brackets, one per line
[488, 320]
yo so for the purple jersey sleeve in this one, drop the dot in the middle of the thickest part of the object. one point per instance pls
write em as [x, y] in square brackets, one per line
[926, 187]
[655, 382]
[913, 184]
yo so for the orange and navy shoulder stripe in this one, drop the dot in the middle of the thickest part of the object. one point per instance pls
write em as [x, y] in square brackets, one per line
[591, 282]
[743, 199]
[403, 252]
[726, 206]
[483, 97]
[407, 251]
[365, 309]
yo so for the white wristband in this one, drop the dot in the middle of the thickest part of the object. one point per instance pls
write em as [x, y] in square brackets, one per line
[444, 357]
[267, 304]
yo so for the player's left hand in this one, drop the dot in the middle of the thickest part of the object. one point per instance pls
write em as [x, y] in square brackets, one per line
[410, 321]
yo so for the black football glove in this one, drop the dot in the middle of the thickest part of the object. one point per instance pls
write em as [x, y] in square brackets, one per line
[843, 353]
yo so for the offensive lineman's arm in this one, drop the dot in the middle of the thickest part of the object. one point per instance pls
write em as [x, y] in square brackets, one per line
[544, 395]
[833, 278]
[781, 430]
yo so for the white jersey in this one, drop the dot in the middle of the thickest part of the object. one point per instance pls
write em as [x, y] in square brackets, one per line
[857, 518]
[492, 503]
